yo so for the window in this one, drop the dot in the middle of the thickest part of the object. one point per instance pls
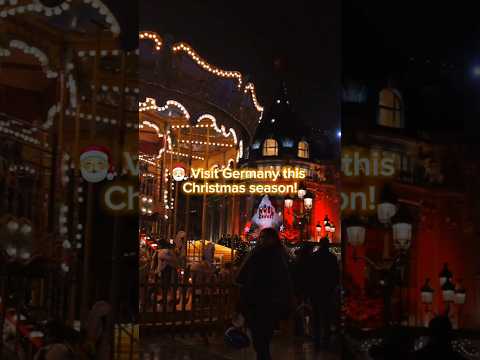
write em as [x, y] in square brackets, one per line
[270, 147]
[390, 109]
[303, 150]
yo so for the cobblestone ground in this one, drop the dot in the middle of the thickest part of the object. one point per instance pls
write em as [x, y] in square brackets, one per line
[196, 349]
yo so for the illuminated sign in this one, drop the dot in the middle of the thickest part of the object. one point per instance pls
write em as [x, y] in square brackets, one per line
[279, 181]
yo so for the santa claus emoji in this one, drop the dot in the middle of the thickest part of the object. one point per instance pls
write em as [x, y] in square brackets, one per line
[95, 164]
[178, 172]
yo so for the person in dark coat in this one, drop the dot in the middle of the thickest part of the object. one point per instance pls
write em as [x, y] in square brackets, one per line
[265, 290]
[322, 269]
[439, 345]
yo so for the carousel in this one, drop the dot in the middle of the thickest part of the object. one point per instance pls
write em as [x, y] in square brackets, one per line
[69, 101]
[192, 115]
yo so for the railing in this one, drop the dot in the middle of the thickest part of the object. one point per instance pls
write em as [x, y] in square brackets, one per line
[30, 296]
[185, 302]
[126, 342]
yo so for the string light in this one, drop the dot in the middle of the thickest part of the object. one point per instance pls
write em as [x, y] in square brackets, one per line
[153, 126]
[38, 54]
[152, 36]
[100, 119]
[221, 129]
[182, 47]
[34, 7]
[92, 53]
[151, 104]
[251, 88]
[205, 143]
[105, 11]
[177, 153]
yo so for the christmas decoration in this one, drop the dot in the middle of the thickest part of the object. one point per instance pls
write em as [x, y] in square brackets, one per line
[95, 164]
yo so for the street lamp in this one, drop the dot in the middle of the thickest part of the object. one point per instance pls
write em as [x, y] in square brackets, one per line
[288, 202]
[318, 229]
[445, 274]
[356, 235]
[448, 291]
[308, 201]
[402, 235]
[301, 191]
[326, 223]
[460, 294]
[386, 209]
[427, 292]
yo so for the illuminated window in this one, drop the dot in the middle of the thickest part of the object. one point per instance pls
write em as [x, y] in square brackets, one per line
[390, 109]
[303, 150]
[270, 147]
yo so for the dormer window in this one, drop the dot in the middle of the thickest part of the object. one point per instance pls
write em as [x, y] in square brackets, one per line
[390, 108]
[270, 147]
[303, 151]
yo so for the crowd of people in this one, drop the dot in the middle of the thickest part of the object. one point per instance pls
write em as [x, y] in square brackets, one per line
[272, 287]
[302, 291]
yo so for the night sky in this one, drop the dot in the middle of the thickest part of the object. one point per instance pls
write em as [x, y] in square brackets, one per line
[435, 42]
[248, 36]
[319, 42]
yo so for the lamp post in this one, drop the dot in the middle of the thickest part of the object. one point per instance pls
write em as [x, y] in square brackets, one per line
[444, 275]
[318, 231]
[288, 203]
[426, 293]
[329, 227]
[451, 293]
[385, 212]
[302, 191]
[402, 236]
[308, 205]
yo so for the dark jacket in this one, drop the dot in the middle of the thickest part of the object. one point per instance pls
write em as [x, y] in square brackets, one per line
[264, 281]
[323, 275]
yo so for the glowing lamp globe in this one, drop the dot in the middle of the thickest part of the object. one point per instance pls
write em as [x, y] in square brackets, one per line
[427, 292]
[301, 193]
[327, 225]
[402, 235]
[460, 295]
[12, 226]
[332, 228]
[308, 202]
[288, 203]
[318, 228]
[445, 274]
[385, 212]
[448, 291]
[356, 235]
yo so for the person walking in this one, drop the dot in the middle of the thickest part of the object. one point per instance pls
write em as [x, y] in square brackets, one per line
[439, 344]
[322, 268]
[265, 290]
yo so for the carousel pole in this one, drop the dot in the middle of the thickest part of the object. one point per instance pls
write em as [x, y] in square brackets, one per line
[222, 212]
[170, 195]
[87, 248]
[119, 147]
[187, 204]
[232, 219]
[73, 297]
[163, 177]
[205, 200]
[175, 210]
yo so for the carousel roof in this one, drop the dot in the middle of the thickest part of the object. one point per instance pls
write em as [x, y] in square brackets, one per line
[175, 72]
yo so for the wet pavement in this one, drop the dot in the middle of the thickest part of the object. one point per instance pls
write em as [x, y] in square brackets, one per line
[196, 349]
